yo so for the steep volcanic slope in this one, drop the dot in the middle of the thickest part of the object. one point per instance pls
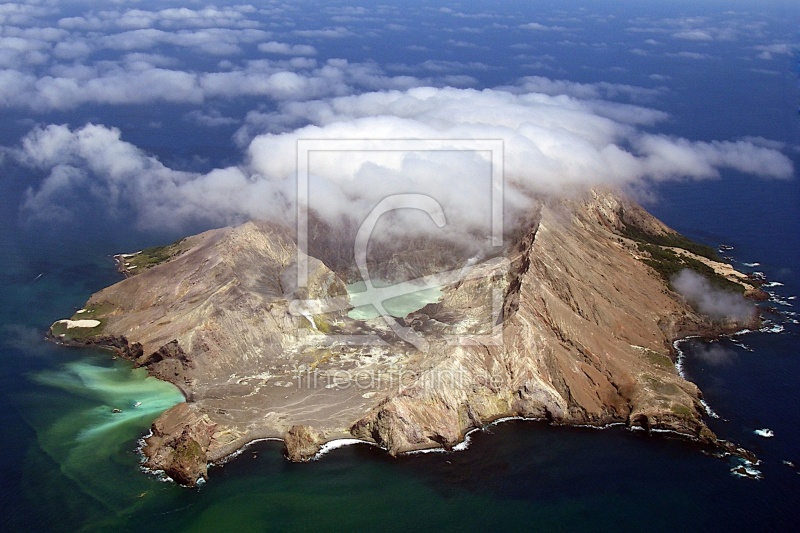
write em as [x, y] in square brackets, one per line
[571, 327]
[586, 339]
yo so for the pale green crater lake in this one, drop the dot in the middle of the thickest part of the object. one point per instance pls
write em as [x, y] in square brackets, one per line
[399, 306]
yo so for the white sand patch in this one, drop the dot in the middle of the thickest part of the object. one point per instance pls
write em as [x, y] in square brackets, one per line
[80, 323]
[723, 269]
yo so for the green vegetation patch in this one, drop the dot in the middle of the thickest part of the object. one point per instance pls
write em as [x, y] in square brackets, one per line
[323, 326]
[97, 311]
[668, 263]
[662, 388]
[150, 257]
[94, 312]
[189, 451]
[670, 240]
[657, 359]
[681, 410]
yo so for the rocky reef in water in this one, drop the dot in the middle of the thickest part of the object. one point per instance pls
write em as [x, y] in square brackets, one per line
[571, 323]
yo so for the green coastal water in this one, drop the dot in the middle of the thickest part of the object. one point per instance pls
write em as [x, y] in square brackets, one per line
[71, 410]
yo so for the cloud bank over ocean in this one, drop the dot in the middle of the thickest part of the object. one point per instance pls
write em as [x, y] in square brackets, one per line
[280, 73]
[552, 145]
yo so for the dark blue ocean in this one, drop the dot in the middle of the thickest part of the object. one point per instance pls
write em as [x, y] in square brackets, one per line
[67, 464]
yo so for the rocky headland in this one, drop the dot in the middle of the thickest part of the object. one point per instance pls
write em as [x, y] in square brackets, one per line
[572, 322]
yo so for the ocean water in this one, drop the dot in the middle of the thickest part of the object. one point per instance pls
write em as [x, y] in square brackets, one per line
[68, 463]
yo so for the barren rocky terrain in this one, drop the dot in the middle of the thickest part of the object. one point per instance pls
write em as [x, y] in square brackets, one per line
[568, 323]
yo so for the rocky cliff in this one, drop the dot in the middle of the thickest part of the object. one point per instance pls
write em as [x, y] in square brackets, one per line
[569, 323]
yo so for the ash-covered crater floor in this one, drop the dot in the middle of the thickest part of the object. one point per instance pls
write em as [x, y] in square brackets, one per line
[572, 322]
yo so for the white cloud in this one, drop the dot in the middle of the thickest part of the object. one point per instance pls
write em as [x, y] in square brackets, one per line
[84, 23]
[693, 35]
[552, 144]
[171, 18]
[536, 26]
[211, 118]
[274, 47]
[16, 52]
[35, 33]
[461, 44]
[92, 164]
[559, 135]
[689, 55]
[353, 11]
[207, 17]
[717, 303]
[440, 66]
[669, 158]
[328, 33]
[17, 14]
[72, 49]
[141, 78]
[107, 86]
[721, 27]
[214, 41]
[770, 50]
[714, 354]
[598, 90]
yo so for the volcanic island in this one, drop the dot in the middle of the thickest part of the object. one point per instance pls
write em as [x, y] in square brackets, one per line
[571, 322]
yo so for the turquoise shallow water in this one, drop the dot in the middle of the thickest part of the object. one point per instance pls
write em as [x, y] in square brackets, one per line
[70, 409]
[90, 434]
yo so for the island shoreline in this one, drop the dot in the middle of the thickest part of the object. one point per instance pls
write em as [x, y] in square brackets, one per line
[623, 380]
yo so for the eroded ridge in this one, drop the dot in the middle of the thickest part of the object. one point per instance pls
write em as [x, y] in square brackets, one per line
[571, 322]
